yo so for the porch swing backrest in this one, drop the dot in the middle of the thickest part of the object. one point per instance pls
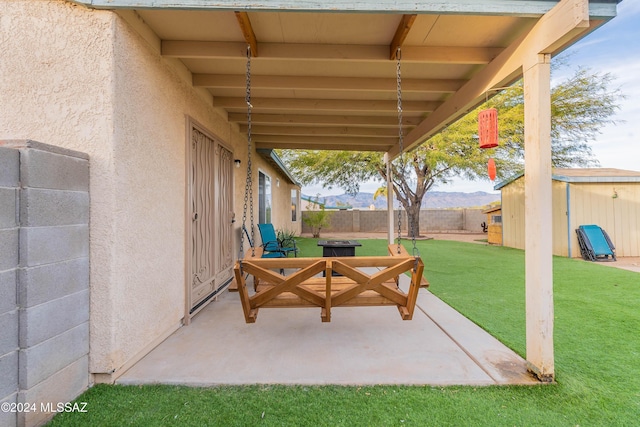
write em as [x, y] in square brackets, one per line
[305, 288]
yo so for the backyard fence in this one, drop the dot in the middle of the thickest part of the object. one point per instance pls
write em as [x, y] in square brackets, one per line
[376, 221]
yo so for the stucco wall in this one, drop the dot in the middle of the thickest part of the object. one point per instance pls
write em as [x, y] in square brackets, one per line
[58, 82]
[89, 81]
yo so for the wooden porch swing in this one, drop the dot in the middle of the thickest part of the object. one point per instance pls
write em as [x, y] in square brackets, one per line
[305, 287]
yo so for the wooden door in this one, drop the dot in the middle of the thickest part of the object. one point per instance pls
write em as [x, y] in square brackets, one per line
[211, 193]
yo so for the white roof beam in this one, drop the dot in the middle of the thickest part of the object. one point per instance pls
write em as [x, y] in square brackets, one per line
[298, 104]
[329, 52]
[305, 131]
[320, 120]
[322, 83]
[524, 8]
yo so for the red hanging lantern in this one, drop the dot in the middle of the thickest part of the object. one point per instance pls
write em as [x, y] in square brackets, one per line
[491, 168]
[488, 128]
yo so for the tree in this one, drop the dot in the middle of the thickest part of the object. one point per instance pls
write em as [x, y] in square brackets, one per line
[580, 106]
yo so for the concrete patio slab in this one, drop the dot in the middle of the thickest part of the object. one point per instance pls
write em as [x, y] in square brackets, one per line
[360, 346]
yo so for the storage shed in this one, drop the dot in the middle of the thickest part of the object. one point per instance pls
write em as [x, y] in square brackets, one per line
[494, 225]
[609, 198]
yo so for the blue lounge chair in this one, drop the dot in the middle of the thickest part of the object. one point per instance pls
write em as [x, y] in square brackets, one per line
[271, 244]
[265, 254]
[595, 244]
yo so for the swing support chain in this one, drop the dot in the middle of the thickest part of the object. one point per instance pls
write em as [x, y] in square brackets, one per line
[248, 188]
[416, 252]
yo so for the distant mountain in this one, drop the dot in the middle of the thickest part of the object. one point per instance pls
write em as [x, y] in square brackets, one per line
[433, 199]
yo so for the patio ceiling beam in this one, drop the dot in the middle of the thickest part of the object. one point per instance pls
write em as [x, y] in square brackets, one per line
[312, 141]
[322, 83]
[325, 104]
[524, 8]
[317, 120]
[322, 131]
[187, 49]
[564, 22]
[326, 145]
[401, 34]
[247, 31]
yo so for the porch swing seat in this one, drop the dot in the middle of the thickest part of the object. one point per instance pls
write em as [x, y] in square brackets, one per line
[306, 287]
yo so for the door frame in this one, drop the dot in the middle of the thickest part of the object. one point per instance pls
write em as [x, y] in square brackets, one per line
[190, 124]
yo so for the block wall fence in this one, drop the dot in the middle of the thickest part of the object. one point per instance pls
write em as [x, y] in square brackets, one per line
[431, 220]
[44, 278]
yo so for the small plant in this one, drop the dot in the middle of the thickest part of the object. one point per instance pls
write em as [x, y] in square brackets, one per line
[286, 238]
[317, 217]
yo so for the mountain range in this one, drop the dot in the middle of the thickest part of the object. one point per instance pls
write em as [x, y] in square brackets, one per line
[433, 199]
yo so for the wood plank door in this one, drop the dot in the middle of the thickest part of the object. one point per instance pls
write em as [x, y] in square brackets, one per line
[211, 190]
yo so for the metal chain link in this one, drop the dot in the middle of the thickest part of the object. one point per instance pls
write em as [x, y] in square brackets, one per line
[248, 188]
[400, 134]
[402, 157]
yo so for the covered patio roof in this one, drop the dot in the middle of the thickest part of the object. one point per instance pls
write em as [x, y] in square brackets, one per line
[323, 74]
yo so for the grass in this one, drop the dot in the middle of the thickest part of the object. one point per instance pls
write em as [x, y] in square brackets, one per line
[597, 319]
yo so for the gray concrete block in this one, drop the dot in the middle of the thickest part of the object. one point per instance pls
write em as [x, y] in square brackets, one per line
[45, 321]
[42, 169]
[9, 419]
[9, 251]
[43, 245]
[37, 285]
[8, 207]
[9, 332]
[8, 374]
[44, 207]
[9, 167]
[40, 362]
[62, 387]
[8, 291]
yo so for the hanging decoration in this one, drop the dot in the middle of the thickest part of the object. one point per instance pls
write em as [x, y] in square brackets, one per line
[488, 128]
[491, 168]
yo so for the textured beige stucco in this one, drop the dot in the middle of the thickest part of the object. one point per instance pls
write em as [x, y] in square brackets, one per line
[54, 92]
[87, 80]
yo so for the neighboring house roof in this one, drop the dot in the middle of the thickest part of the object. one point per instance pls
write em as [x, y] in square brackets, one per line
[492, 209]
[584, 175]
[277, 163]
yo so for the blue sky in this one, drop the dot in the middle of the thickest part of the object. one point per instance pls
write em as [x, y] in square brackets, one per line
[613, 48]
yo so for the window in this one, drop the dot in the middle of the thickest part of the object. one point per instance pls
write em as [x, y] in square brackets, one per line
[294, 205]
[264, 198]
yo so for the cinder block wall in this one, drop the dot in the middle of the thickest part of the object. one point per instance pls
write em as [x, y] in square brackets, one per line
[431, 220]
[9, 258]
[47, 272]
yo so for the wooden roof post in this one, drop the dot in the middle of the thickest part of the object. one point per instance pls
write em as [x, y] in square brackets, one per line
[538, 217]
[390, 215]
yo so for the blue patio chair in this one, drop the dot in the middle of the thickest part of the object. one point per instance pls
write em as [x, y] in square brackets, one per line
[595, 244]
[264, 255]
[271, 244]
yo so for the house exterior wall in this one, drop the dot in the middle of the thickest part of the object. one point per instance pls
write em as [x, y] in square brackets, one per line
[94, 81]
[588, 203]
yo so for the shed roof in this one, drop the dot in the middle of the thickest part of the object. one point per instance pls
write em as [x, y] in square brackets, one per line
[584, 175]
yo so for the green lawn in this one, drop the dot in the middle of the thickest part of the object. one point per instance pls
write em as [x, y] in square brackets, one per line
[597, 344]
